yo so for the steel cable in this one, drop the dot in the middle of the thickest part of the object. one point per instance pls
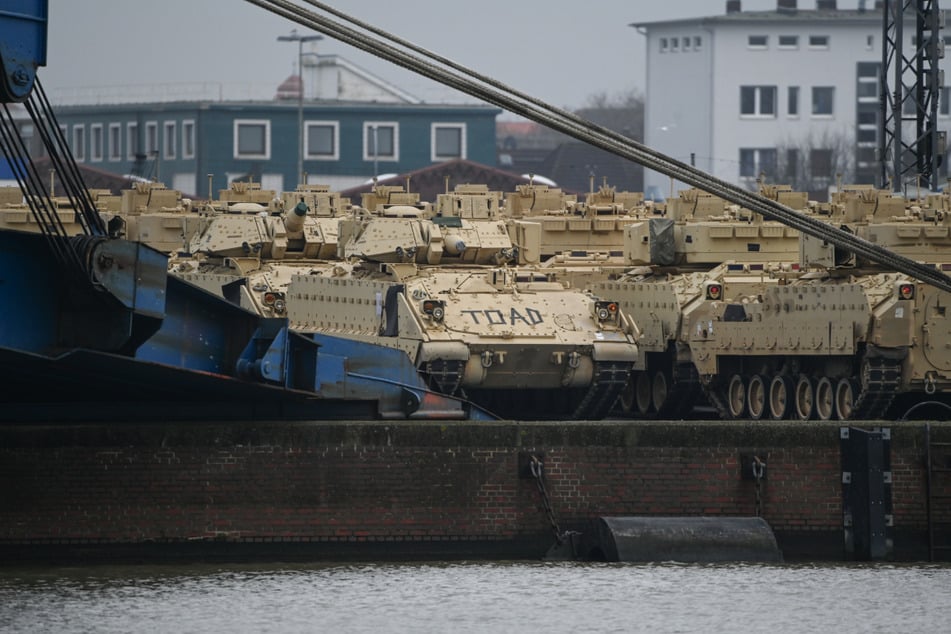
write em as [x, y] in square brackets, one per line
[41, 206]
[62, 158]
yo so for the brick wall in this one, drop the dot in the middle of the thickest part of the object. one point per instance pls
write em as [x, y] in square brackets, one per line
[419, 482]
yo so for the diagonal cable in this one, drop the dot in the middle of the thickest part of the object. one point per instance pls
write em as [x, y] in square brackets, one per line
[500, 95]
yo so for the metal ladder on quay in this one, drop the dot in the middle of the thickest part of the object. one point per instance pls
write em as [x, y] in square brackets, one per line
[937, 469]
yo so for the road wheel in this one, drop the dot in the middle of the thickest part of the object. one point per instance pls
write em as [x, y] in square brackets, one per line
[736, 397]
[825, 399]
[780, 397]
[846, 392]
[805, 397]
[627, 399]
[660, 390]
[642, 393]
[756, 396]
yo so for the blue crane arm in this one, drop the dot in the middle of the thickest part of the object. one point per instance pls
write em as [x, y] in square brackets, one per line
[23, 25]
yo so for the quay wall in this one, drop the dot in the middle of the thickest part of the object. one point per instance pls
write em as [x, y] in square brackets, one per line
[423, 489]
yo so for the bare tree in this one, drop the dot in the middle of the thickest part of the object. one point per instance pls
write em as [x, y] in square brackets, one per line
[622, 112]
[814, 162]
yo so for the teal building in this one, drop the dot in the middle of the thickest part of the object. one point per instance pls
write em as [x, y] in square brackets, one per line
[202, 146]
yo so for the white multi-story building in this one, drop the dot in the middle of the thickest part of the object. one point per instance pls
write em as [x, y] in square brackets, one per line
[791, 93]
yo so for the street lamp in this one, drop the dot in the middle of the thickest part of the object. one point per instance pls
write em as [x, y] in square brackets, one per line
[300, 39]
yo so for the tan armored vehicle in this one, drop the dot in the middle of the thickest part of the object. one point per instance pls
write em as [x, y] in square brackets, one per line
[784, 345]
[567, 226]
[699, 229]
[15, 213]
[918, 230]
[245, 192]
[245, 237]
[380, 197]
[767, 341]
[509, 340]
[152, 214]
[148, 212]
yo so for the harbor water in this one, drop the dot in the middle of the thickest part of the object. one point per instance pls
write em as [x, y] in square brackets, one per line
[464, 597]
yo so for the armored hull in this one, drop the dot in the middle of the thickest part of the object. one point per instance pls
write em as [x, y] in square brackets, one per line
[770, 341]
[565, 225]
[509, 340]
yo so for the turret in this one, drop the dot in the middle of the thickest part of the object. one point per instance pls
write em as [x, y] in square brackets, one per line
[403, 234]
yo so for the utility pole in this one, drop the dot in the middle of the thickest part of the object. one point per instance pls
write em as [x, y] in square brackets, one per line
[911, 96]
[300, 39]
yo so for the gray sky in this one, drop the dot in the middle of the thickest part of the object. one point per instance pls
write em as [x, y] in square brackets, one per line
[558, 50]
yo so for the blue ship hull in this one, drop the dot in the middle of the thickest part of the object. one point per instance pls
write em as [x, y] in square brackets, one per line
[130, 342]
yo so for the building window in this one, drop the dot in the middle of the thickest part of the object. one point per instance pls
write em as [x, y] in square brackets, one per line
[252, 139]
[820, 163]
[188, 139]
[788, 41]
[868, 70]
[866, 156]
[757, 41]
[792, 101]
[823, 99]
[870, 43]
[697, 42]
[756, 161]
[151, 138]
[79, 142]
[674, 43]
[115, 141]
[381, 141]
[448, 141]
[818, 41]
[686, 42]
[866, 120]
[867, 89]
[791, 168]
[170, 139]
[321, 140]
[95, 142]
[663, 45]
[132, 140]
[758, 101]
[867, 86]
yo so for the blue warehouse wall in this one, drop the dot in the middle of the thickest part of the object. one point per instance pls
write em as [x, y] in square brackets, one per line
[215, 129]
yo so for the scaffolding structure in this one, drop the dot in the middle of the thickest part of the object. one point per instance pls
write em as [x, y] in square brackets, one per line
[911, 148]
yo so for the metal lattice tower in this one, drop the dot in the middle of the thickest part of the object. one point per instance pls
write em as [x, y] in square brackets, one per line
[910, 87]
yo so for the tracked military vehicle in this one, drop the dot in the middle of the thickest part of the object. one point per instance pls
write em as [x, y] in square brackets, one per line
[449, 290]
[15, 213]
[148, 213]
[918, 229]
[152, 214]
[566, 225]
[766, 341]
[697, 230]
[255, 232]
[510, 340]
